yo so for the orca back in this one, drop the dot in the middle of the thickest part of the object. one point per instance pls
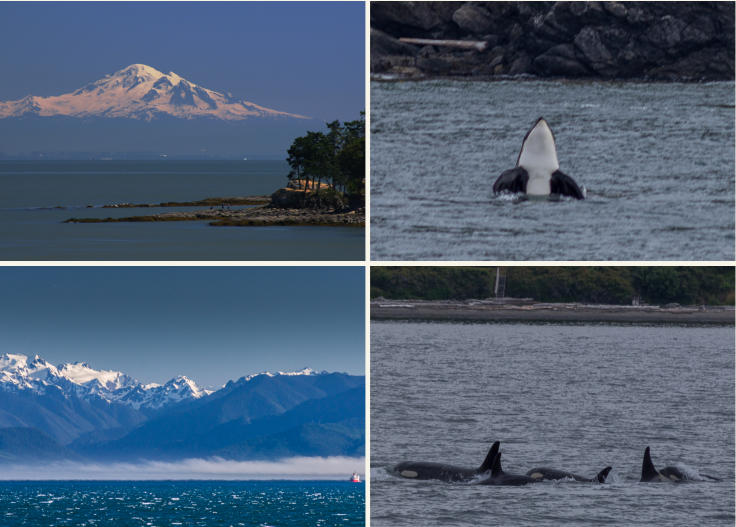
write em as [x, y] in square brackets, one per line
[673, 474]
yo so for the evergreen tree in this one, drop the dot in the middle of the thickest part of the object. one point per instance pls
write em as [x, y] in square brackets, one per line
[337, 157]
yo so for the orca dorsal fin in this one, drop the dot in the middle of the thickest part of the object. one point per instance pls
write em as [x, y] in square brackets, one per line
[490, 457]
[496, 470]
[603, 474]
[648, 472]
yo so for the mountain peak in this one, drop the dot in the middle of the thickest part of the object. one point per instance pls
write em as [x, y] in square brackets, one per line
[139, 69]
[12, 361]
[139, 91]
[80, 379]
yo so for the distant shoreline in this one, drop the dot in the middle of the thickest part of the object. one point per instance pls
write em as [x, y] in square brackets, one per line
[487, 311]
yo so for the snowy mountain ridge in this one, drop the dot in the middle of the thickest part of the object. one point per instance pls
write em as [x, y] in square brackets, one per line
[303, 371]
[141, 92]
[17, 372]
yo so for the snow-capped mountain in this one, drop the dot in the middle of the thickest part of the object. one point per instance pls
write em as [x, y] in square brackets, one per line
[141, 92]
[37, 375]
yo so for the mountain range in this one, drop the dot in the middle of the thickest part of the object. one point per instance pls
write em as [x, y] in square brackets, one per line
[141, 92]
[72, 411]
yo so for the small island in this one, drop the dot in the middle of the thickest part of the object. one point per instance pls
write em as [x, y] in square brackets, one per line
[326, 187]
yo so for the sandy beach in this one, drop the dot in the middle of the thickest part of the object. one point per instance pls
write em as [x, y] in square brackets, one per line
[486, 310]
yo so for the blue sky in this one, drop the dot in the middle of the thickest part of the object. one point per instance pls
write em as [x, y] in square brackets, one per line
[209, 323]
[299, 57]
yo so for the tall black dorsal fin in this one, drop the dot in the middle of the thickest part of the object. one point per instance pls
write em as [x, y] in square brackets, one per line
[497, 470]
[603, 474]
[648, 472]
[488, 461]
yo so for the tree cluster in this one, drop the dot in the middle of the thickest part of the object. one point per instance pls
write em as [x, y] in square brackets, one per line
[336, 158]
[603, 285]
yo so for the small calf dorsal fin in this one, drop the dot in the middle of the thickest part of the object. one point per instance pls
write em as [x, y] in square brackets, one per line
[490, 457]
[603, 474]
[497, 470]
[648, 472]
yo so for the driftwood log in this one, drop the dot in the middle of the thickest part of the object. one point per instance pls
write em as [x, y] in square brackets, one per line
[478, 45]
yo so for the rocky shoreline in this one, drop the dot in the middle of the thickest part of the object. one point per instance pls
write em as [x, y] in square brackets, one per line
[260, 215]
[492, 311]
[659, 41]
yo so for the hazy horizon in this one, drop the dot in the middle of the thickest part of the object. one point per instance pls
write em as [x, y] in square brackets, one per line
[293, 468]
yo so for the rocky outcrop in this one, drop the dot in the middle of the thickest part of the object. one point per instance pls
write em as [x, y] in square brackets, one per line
[611, 40]
[325, 199]
[287, 198]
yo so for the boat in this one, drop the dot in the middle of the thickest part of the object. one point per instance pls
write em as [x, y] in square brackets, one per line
[355, 478]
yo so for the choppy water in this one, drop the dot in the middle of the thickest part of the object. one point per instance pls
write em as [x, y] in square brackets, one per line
[657, 160]
[248, 503]
[574, 397]
[31, 227]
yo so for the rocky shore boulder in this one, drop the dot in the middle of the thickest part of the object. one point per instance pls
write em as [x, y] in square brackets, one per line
[325, 200]
[688, 41]
[287, 198]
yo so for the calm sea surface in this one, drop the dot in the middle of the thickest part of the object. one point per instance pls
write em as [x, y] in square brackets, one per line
[31, 227]
[657, 160]
[573, 397]
[207, 503]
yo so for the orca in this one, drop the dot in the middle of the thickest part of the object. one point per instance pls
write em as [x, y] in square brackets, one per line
[543, 473]
[537, 172]
[651, 474]
[499, 477]
[444, 472]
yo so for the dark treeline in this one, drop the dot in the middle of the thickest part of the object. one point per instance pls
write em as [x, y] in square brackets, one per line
[336, 158]
[604, 285]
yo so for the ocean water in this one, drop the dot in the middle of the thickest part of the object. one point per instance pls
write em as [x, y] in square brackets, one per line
[32, 228]
[171, 503]
[657, 161]
[576, 397]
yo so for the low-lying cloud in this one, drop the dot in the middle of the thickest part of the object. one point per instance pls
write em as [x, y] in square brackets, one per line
[296, 468]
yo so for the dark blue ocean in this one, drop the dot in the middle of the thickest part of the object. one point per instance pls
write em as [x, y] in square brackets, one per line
[167, 503]
[37, 196]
